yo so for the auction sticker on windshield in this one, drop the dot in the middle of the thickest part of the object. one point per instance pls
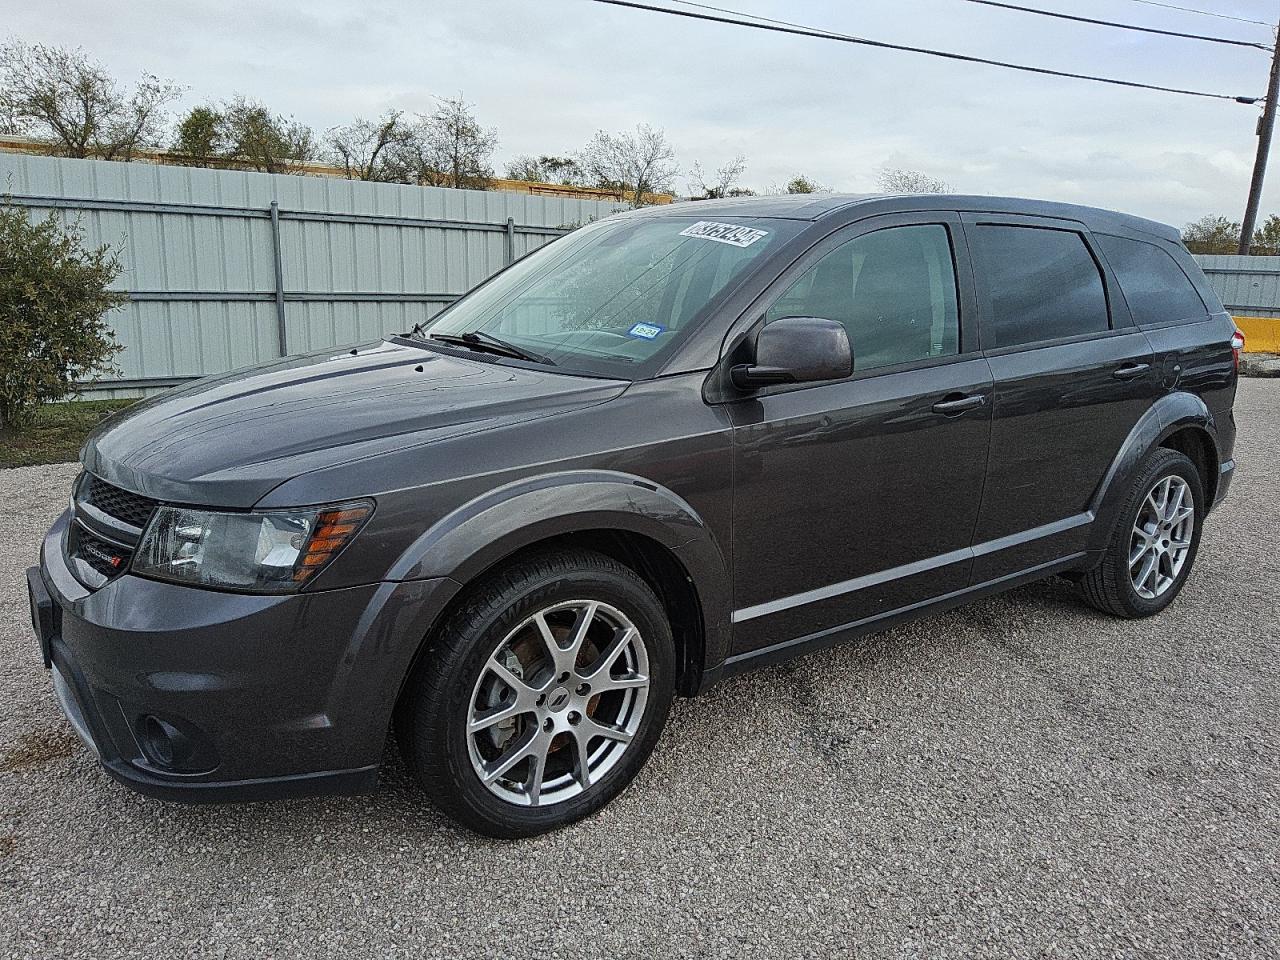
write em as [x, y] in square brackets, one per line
[732, 233]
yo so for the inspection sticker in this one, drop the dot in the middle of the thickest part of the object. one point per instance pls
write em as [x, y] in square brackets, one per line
[646, 331]
[730, 233]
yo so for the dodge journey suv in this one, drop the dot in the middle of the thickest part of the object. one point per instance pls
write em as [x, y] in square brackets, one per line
[672, 446]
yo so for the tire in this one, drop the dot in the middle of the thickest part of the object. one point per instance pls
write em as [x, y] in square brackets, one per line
[1111, 586]
[493, 658]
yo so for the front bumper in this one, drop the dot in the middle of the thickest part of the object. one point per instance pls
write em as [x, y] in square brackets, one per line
[193, 694]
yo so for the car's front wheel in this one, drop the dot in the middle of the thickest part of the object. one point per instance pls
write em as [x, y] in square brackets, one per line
[541, 696]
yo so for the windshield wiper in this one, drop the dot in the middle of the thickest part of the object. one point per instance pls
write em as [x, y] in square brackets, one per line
[478, 340]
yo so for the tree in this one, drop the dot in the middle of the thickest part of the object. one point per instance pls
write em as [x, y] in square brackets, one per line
[545, 169]
[632, 166]
[894, 180]
[200, 139]
[449, 148]
[723, 184]
[53, 303]
[366, 149]
[1212, 234]
[262, 140]
[802, 184]
[1266, 239]
[62, 96]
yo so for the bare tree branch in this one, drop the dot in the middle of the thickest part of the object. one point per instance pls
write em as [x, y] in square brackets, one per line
[895, 180]
[633, 166]
[363, 148]
[723, 184]
[64, 97]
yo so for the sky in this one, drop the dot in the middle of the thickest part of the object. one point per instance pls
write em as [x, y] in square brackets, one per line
[548, 73]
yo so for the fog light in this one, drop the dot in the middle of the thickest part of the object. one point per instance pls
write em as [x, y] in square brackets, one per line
[164, 744]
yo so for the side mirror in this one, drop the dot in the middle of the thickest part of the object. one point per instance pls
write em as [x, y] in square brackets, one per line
[796, 350]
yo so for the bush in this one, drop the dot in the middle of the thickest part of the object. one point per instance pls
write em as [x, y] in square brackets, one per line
[53, 303]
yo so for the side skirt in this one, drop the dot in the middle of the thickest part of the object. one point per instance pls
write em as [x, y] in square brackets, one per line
[789, 649]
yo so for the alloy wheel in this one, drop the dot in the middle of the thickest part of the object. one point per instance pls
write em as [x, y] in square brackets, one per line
[1161, 537]
[558, 703]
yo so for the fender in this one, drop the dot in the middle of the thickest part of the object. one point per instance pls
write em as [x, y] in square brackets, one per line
[1169, 414]
[482, 532]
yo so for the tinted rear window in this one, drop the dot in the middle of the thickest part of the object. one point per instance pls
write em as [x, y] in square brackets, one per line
[1155, 287]
[1042, 284]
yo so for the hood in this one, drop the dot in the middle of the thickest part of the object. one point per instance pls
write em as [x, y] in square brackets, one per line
[228, 440]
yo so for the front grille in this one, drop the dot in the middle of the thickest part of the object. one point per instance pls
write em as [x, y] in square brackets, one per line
[131, 508]
[106, 558]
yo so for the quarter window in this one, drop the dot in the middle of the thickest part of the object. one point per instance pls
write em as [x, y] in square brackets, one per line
[1155, 287]
[893, 290]
[1043, 284]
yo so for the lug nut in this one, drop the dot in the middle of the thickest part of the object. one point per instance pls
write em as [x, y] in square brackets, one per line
[547, 724]
[583, 689]
[542, 698]
[574, 716]
[564, 677]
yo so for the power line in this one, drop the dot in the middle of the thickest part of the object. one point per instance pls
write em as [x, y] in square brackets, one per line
[783, 26]
[1203, 13]
[1121, 26]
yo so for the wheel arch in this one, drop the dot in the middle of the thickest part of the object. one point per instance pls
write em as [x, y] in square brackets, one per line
[1178, 421]
[642, 525]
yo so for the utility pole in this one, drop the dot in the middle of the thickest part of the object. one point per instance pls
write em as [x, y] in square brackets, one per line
[1266, 126]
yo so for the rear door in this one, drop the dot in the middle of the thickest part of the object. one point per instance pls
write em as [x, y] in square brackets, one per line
[857, 497]
[1072, 376]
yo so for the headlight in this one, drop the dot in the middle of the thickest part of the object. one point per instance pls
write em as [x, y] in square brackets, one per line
[274, 552]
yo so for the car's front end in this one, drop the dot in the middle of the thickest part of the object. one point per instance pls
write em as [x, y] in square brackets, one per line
[197, 671]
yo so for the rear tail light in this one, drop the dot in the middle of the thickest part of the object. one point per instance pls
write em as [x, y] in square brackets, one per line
[1237, 348]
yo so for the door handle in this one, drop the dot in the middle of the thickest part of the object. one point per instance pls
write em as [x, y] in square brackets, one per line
[1131, 370]
[958, 404]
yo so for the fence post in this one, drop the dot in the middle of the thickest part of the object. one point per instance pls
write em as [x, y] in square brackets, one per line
[278, 258]
[511, 240]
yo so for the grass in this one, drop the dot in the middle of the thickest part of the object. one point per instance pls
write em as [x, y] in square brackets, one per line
[57, 432]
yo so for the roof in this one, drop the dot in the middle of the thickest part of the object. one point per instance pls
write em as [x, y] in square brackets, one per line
[815, 206]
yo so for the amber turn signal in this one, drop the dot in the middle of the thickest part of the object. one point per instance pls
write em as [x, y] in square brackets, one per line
[332, 530]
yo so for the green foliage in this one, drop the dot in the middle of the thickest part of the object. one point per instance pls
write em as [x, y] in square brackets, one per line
[200, 139]
[53, 304]
[802, 184]
[263, 140]
[55, 433]
[545, 169]
[1266, 239]
[1212, 235]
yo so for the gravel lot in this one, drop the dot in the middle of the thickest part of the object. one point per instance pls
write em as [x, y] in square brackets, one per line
[1020, 777]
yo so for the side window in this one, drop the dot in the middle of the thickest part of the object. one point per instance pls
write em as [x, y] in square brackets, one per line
[893, 290]
[1154, 286]
[1042, 284]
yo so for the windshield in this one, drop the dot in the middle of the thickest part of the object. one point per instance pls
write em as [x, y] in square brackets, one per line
[612, 296]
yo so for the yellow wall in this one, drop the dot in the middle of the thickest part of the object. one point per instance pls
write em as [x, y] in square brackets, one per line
[1261, 334]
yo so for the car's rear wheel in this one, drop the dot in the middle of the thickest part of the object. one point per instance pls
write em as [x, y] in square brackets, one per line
[541, 696]
[1154, 542]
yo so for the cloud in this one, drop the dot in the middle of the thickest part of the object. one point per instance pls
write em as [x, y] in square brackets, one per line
[549, 74]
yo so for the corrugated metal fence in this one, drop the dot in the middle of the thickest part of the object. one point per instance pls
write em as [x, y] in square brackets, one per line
[1247, 286]
[226, 268]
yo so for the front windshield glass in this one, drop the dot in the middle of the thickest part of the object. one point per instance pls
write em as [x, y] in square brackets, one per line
[610, 297]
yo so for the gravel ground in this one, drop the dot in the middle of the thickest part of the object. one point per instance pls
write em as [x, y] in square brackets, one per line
[1021, 777]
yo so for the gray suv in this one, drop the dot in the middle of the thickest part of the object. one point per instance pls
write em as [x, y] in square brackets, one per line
[672, 446]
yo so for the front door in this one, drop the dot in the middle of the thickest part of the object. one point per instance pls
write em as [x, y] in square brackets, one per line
[856, 498]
